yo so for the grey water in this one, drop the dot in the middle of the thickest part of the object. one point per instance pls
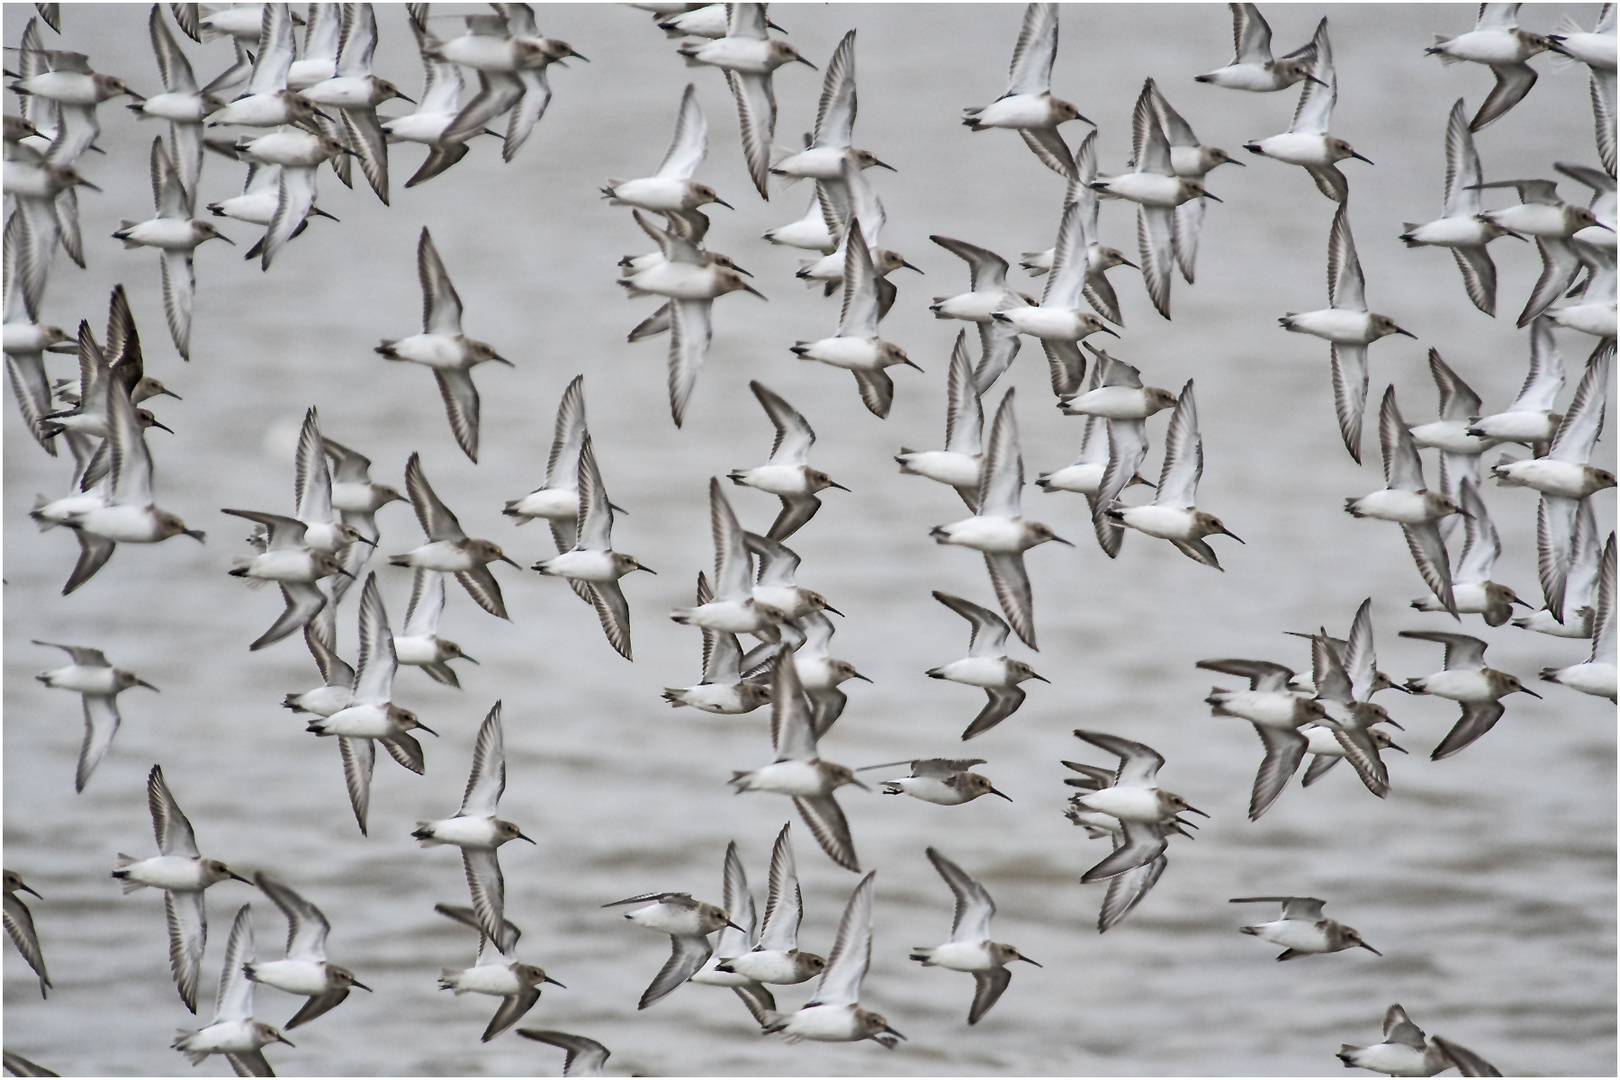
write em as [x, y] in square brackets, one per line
[1487, 879]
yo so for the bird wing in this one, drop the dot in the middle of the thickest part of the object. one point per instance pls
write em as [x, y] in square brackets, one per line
[1183, 455]
[784, 904]
[1584, 418]
[1315, 109]
[488, 777]
[1002, 477]
[974, 908]
[435, 517]
[859, 316]
[835, 114]
[794, 436]
[441, 306]
[188, 934]
[1033, 56]
[792, 733]
[691, 140]
[840, 982]
[100, 725]
[690, 332]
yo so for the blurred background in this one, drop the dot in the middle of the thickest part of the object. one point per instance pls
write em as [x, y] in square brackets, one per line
[1487, 880]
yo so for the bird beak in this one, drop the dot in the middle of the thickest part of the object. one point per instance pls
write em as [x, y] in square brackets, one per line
[29, 891]
[85, 183]
[282, 1038]
[1060, 540]
[227, 239]
[1105, 330]
[402, 97]
[1407, 333]
[722, 202]
[361, 985]
[366, 540]
[807, 63]
[833, 610]
[346, 574]
[469, 659]
[1370, 949]
[1531, 692]
[1314, 79]
[1027, 960]
[149, 686]
[502, 359]
[1133, 266]
[910, 363]
[423, 727]
[1009, 798]
[1213, 198]
[1233, 535]
[734, 926]
[158, 424]
[318, 212]
[238, 877]
[756, 292]
[166, 392]
[741, 271]
[908, 266]
[1397, 746]
[1195, 810]
[1523, 603]
[884, 165]
[649, 570]
[887, 1030]
[861, 677]
[195, 534]
[1361, 157]
[504, 559]
[862, 786]
[530, 839]
[553, 982]
[1043, 678]
[836, 484]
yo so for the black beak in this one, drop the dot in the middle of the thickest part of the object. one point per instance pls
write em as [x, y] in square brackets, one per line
[649, 570]
[884, 165]
[836, 484]
[1195, 810]
[1370, 949]
[159, 424]
[1105, 330]
[1361, 157]
[808, 64]
[908, 266]
[227, 239]
[361, 985]
[366, 540]
[423, 727]
[1314, 79]
[1027, 960]
[722, 202]
[863, 678]
[1008, 797]
[1407, 333]
[756, 292]
[1213, 198]
[1043, 678]
[402, 97]
[553, 982]
[149, 686]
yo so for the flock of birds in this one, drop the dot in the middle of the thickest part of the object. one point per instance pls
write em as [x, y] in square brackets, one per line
[291, 111]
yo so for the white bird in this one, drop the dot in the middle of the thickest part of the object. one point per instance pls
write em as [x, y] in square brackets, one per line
[1173, 515]
[998, 528]
[959, 464]
[234, 1033]
[592, 562]
[1252, 67]
[723, 689]
[1406, 501]
[1301, 930]
[1146, 813]
[557, 498]
[305, 971]
[1497, 42]
[857, 347]
[970, 948]
[1597, 675]
[776, 957]
[799, 770]
[1405, 1050]
[986, 665]
[834, 1013]
[1595, 49]
[1471, 587]
[99, 683]
[1105, 468]
[1307, 143]
[337, 678]
[357, 92]
[1348, 327]
[1028, 106]
[819, 672]
[511, 57]
[267, 102]
[1530, 418]
[688, 923]
[357, 499]
[733, 610]
[419, 643]
[988, 293]
[317, 62]
[735, 940]
[942, 781]
[1580, 588]
[1466, 680]
[183, 105]
[1461, 226]
[371, 715]
[787, 474]
[1552, 221]
[1190, 158]
[851, 204]
[828, 146]
[449, 548]
[585, 1057]
[497, 973]
[672, 188]
[182, 874]
[476, 830]
[434, 114]
[291, 563]
[1277, 713]
[1459, 451]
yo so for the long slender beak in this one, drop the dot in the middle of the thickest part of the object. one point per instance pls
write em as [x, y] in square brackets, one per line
[149, 686]
[282, 1038]
[832, 610]
[884, 165]
[756, 292]
[1027, 960]
[238, 877]
[423, 727]
[504, 559]
[1531, 692]
[722, 202]
[1370, 949]
[887, 1030]
[861, 677]
[1060, 540]
[807, 63]
[502, 359]
[346, 574]
[858, 784]
[322, 115]
[741, 271]
[158, 424]
[469, 659]
[1195, 810]
[1133, 266]
[1407, 333]
[195, 534]
[318, 212]
[1009, 798]
[734, 926]
[1314, 79]
[530, 839]
[29, 891]
[1361, 157]
[227, 239]
[836, 484]
[1233, 535]
[1213, 198]
[402, 97]
[85, 183]
[1523, 603]
[366, 540]
[1105, 330]
[553, 982]
[166, 392]
[649, 570]
[1398, 747]
[1043, 678]
[361, 985]
[908, 266]
[910, 363]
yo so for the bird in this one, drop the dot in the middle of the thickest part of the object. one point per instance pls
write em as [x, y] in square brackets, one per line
[356, 498]
[557, 498]
[733, 609]
[944, 781]
[267, 101]
[1126, 889]
[834, 1013]
[776, 957]
[1307, 143]
[1565, 476]
[1406, 1051]
[1188, 158]
[1497, 42]
[1530, 418]
[1465, 679]
[497, 973]
[1252, 67]
[998, 528]
[293, 565]
[1348, 327]
[688, 923]
[443, 347]
[856, 346]
[371, 715]
[1277, 714]
[1173, 515]
[828, 146]
[1459, 451]
[19, 923]
[671, 188]
[419, 643]
[959, 464]
[234, 1033]
[1596, 675]
[1552, 221]
[988, 293]
[1028, 106]
[1472, 589]
[852, 205]
[434, 115]
[1580, 583]
[1158, 189]
[1146, 812]
[820, 673]
[1057, 320]
[748, 57]
[449, 549]
[592, 562]
[986, 665]
[182, 874]
[1406, 501]
[357, 92]
[733, 941]
[98, 683]
[336, 691]
[1103, 470]
[476, 830]
[305, 970]
[1461, 225]
[787, 474]
[799, 770]
[585, 1057]
[1301, 930]
[182, 104]
[970, 947]
[1595, 49]
[722, 690]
